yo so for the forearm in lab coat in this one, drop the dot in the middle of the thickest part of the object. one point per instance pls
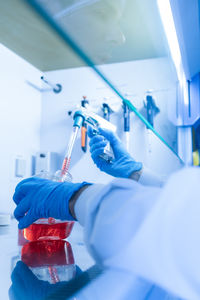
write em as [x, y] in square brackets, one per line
[148, 178]
[166, 247]
[112, 214]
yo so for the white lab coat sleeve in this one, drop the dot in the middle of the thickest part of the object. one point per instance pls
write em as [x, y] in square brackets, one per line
[120, 285]
[166, 248]
[149, 178]
[112, 214]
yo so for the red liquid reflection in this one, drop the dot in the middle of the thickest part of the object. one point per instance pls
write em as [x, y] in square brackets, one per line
[47, 253]
[47, 231]
[51, 255]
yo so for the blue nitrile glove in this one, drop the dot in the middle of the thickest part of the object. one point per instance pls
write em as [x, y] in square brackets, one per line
[26, 286]
[123, 164]
[42, 198]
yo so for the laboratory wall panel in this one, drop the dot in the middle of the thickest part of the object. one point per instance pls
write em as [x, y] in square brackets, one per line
[20, 111]
[134, 79]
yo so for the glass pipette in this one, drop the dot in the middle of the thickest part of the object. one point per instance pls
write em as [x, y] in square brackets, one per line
[66, 162]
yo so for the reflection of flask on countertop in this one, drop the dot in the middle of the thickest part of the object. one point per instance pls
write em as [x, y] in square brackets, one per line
[50, 260]
[50, 228]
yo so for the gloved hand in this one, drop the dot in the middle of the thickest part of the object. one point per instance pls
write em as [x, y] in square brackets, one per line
[123, 164]
[42, 198]
[26, 286]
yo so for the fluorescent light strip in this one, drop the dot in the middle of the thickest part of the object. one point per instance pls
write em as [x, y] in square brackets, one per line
[170, 30]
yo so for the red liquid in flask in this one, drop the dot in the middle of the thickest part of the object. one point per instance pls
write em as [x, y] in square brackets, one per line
[41, 231]
[51, 228]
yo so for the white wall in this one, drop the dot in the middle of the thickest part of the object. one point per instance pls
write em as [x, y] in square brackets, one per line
[132, 77]
[20, 112]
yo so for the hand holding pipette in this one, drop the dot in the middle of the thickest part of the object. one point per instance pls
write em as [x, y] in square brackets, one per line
[122, 165]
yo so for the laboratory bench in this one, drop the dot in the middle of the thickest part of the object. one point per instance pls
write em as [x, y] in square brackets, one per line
[45, 269]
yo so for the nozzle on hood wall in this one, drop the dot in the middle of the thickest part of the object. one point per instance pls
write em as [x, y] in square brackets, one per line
[126, 113]
[107, 111]
[152, 109]
[56, 88]
[84, 103]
